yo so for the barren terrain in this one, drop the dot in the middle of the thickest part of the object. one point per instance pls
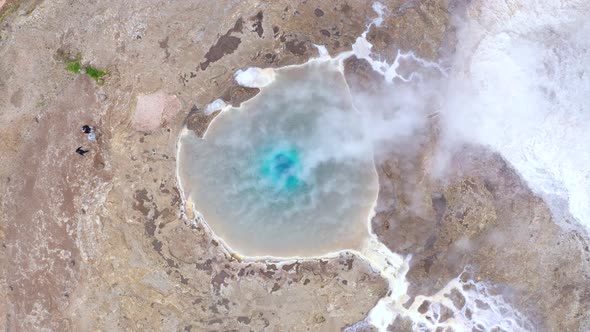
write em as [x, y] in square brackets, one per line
[102, 241]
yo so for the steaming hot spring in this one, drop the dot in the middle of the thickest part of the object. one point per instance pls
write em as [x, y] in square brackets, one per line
[288, 173]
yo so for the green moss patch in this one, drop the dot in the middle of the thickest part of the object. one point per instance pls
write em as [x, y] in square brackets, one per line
[95, 73]
[75, 67]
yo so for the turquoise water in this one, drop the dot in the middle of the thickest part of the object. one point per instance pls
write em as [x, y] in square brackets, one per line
[277, 177]
[282, 168]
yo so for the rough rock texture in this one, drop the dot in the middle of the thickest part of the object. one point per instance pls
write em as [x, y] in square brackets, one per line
[477, 213]
[418, 26]
[101, 242]
[486, 217]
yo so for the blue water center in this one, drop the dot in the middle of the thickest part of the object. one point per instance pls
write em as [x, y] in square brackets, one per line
[281, 168]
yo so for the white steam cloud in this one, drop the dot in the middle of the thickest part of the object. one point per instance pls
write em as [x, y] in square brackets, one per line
[520, 85]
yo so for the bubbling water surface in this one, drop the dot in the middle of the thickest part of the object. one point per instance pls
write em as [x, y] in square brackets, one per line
[271, 178]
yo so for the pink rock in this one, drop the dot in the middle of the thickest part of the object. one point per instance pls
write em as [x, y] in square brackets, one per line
[154, 110]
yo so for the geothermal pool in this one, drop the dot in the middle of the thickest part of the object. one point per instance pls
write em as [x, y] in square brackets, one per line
[289, 173]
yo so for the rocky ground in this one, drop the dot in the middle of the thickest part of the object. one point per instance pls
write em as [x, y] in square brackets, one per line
[478, 214]
[101, 242]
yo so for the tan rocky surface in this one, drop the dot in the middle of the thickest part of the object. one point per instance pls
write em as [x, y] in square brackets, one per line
[101, 242]
[424, 35]
[487, 218]
[480, 214]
